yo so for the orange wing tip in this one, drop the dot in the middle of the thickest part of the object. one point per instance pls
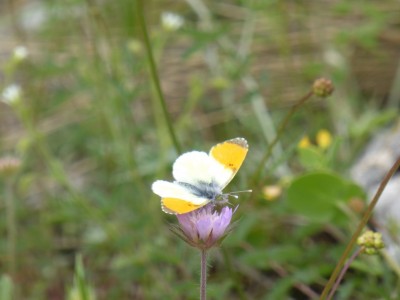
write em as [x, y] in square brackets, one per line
[231, 153]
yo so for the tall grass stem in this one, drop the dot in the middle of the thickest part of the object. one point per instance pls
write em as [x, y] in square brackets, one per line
[360, 227]
[154, 75]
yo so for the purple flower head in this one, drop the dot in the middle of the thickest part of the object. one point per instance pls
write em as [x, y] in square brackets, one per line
[203, 228]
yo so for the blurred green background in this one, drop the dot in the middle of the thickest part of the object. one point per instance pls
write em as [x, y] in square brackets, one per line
[87, 127]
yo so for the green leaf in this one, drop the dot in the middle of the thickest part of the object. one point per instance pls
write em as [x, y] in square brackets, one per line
[81, 289]
[318, 194]
[311, 158]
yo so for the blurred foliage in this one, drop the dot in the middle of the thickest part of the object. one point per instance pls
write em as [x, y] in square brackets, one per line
[92, 138]
[6, 287]
[81, 289]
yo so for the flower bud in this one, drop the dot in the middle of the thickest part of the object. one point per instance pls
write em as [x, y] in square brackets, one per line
[371, 242]
[322, 87]
[356, 204]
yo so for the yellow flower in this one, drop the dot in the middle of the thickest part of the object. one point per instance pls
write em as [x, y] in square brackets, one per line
[272, 192]
[304, 142]
[323, 138]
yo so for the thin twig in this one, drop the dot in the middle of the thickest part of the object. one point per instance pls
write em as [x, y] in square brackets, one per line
[344, 270]
[282, 127]
[360, 227]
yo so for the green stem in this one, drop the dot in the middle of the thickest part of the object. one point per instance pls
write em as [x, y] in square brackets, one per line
[154, 74]
[11, 230]
[203, 276]
[282, 127]
[360, 227]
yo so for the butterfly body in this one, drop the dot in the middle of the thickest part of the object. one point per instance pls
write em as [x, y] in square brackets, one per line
[201, 177]
[202, 189]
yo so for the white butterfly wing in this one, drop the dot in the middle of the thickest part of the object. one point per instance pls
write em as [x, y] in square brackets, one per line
[166, 189]
[194, 167]
[222, 176]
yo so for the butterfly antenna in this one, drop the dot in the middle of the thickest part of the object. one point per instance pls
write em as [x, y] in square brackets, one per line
[233, 194]
[244, 191]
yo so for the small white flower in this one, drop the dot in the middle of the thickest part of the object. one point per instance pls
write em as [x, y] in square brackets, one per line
[171, 21]
[20, 53]
[11, 94]
[334, 58]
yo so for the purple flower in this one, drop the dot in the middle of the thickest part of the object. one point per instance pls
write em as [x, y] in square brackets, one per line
[204, 227]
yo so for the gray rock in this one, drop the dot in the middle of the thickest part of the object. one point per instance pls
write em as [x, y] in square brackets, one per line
[378, 157]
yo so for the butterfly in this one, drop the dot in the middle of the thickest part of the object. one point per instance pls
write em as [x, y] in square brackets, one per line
[201, 177]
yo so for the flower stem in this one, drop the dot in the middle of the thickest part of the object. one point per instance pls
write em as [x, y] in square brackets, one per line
[360, 227]
[154, 74]
[282, 127]
[203, 276]
[344, 270]
[11, 231]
